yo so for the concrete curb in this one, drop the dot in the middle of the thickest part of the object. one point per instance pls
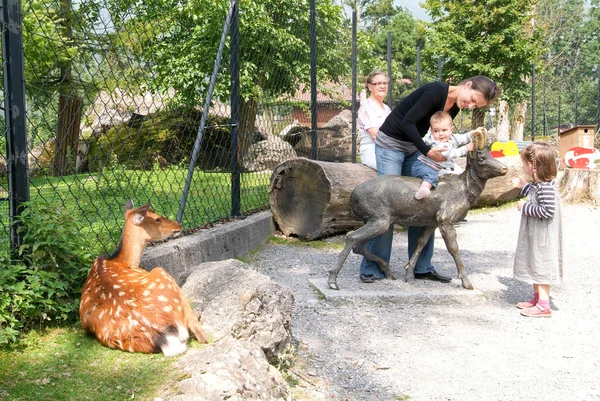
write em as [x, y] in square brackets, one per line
[224, 241]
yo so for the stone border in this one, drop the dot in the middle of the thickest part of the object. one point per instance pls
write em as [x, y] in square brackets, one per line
[224, 241]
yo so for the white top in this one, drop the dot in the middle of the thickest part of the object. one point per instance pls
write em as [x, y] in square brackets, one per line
[370, 115]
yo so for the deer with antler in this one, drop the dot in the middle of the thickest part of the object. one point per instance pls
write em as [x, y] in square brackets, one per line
[131, 309]
[389, 199]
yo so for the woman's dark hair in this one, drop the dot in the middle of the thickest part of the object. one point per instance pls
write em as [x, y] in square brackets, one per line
[485, 86]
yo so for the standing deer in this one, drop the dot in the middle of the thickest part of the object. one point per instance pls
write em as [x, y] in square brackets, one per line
[131, 309]
[387, 199]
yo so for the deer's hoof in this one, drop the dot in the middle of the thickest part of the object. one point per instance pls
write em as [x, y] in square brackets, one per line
[332, 282]
[466, 283]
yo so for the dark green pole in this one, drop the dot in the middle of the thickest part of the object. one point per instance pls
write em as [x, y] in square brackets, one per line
[14, 114]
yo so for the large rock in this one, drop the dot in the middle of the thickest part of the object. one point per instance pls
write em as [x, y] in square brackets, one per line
[239, 302]
[230, 370]
[501, 189]
[267, 154]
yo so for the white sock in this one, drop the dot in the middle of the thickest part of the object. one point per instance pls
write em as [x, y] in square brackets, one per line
[423, 191]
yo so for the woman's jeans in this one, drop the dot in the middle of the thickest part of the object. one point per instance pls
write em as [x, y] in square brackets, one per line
[397, 163]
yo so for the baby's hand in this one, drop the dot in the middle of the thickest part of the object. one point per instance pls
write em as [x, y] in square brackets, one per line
[470, 146]
[520, 205]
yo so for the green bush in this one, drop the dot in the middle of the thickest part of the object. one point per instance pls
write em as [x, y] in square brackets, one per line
[44, 285]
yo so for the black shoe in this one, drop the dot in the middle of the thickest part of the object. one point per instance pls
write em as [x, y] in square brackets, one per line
[433, 276]
[369, 278]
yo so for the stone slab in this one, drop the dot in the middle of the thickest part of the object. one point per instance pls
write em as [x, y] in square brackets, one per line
[397, 292]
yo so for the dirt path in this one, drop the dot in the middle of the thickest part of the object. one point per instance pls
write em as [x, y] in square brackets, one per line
[454, 352]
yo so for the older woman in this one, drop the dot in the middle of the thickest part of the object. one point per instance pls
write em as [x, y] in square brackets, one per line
[371, 115]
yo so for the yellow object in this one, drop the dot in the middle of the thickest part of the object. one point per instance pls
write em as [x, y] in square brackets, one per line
[497, 146]
[510, 149]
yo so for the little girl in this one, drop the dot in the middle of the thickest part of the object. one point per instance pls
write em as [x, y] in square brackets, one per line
[538, 258]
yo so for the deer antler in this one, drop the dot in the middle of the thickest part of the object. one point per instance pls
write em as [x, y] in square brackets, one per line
[480, 138]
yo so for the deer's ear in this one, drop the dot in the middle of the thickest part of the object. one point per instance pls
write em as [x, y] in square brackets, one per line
[129, 204]
[138, 216]
[140, 213]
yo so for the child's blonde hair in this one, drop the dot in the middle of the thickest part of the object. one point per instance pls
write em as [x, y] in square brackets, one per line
[543, 161]
[439, 117]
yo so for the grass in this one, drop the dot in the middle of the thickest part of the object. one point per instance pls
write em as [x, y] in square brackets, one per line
[67, 364]
[98, 199]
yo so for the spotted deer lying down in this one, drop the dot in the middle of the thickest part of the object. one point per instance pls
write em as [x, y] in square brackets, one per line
[131, 309]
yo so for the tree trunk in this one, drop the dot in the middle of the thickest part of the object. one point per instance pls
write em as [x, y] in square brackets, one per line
[577, 185]
[517, 126]
[67, 135]
[503, 127]
[248, 110]
[477, 119]
[311, 199]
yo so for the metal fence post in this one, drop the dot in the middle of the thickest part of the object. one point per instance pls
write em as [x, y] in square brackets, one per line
[354, 23]
[389, 69]
[234, 68]
[532, 102]
[576, 105]
[14, 114]
[203, 120]
[598, 110]
[418, 66]
[313, 78]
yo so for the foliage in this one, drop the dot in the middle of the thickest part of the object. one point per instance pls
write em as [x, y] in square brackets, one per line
[492, 38]
[43, 42]
[179, 44]
[567, 78]
[45, 284]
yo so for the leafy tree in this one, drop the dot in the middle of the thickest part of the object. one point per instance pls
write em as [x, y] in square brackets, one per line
[559, 65]
[176, 42]
[493, 38]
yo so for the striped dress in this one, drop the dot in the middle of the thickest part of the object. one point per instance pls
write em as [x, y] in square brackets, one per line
[538, 259]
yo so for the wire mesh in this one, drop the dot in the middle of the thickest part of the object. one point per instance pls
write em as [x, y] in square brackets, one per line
[115, 92]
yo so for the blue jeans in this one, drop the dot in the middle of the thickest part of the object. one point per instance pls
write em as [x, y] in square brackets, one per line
[398, 163]
[427, 173]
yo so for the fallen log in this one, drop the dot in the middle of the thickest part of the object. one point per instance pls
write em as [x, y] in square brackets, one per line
[311, 199]
[579, 185]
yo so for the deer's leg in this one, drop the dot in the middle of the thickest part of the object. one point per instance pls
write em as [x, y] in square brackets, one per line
[424, 235]
[357, 241]
[449, 234]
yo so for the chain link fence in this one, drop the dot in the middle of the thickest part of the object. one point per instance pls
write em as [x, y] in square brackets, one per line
[188, 105]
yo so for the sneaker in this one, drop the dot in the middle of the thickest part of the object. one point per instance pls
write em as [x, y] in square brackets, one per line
[537, 311]
[526, 304]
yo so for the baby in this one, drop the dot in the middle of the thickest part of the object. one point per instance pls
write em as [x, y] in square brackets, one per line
[440, 136]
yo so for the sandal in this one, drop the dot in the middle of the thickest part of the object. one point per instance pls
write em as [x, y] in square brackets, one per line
[537, 311]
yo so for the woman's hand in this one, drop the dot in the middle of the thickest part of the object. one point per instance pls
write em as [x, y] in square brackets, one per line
[436, 154]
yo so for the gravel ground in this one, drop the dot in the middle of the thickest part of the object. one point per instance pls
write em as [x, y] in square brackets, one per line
[356, 350]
